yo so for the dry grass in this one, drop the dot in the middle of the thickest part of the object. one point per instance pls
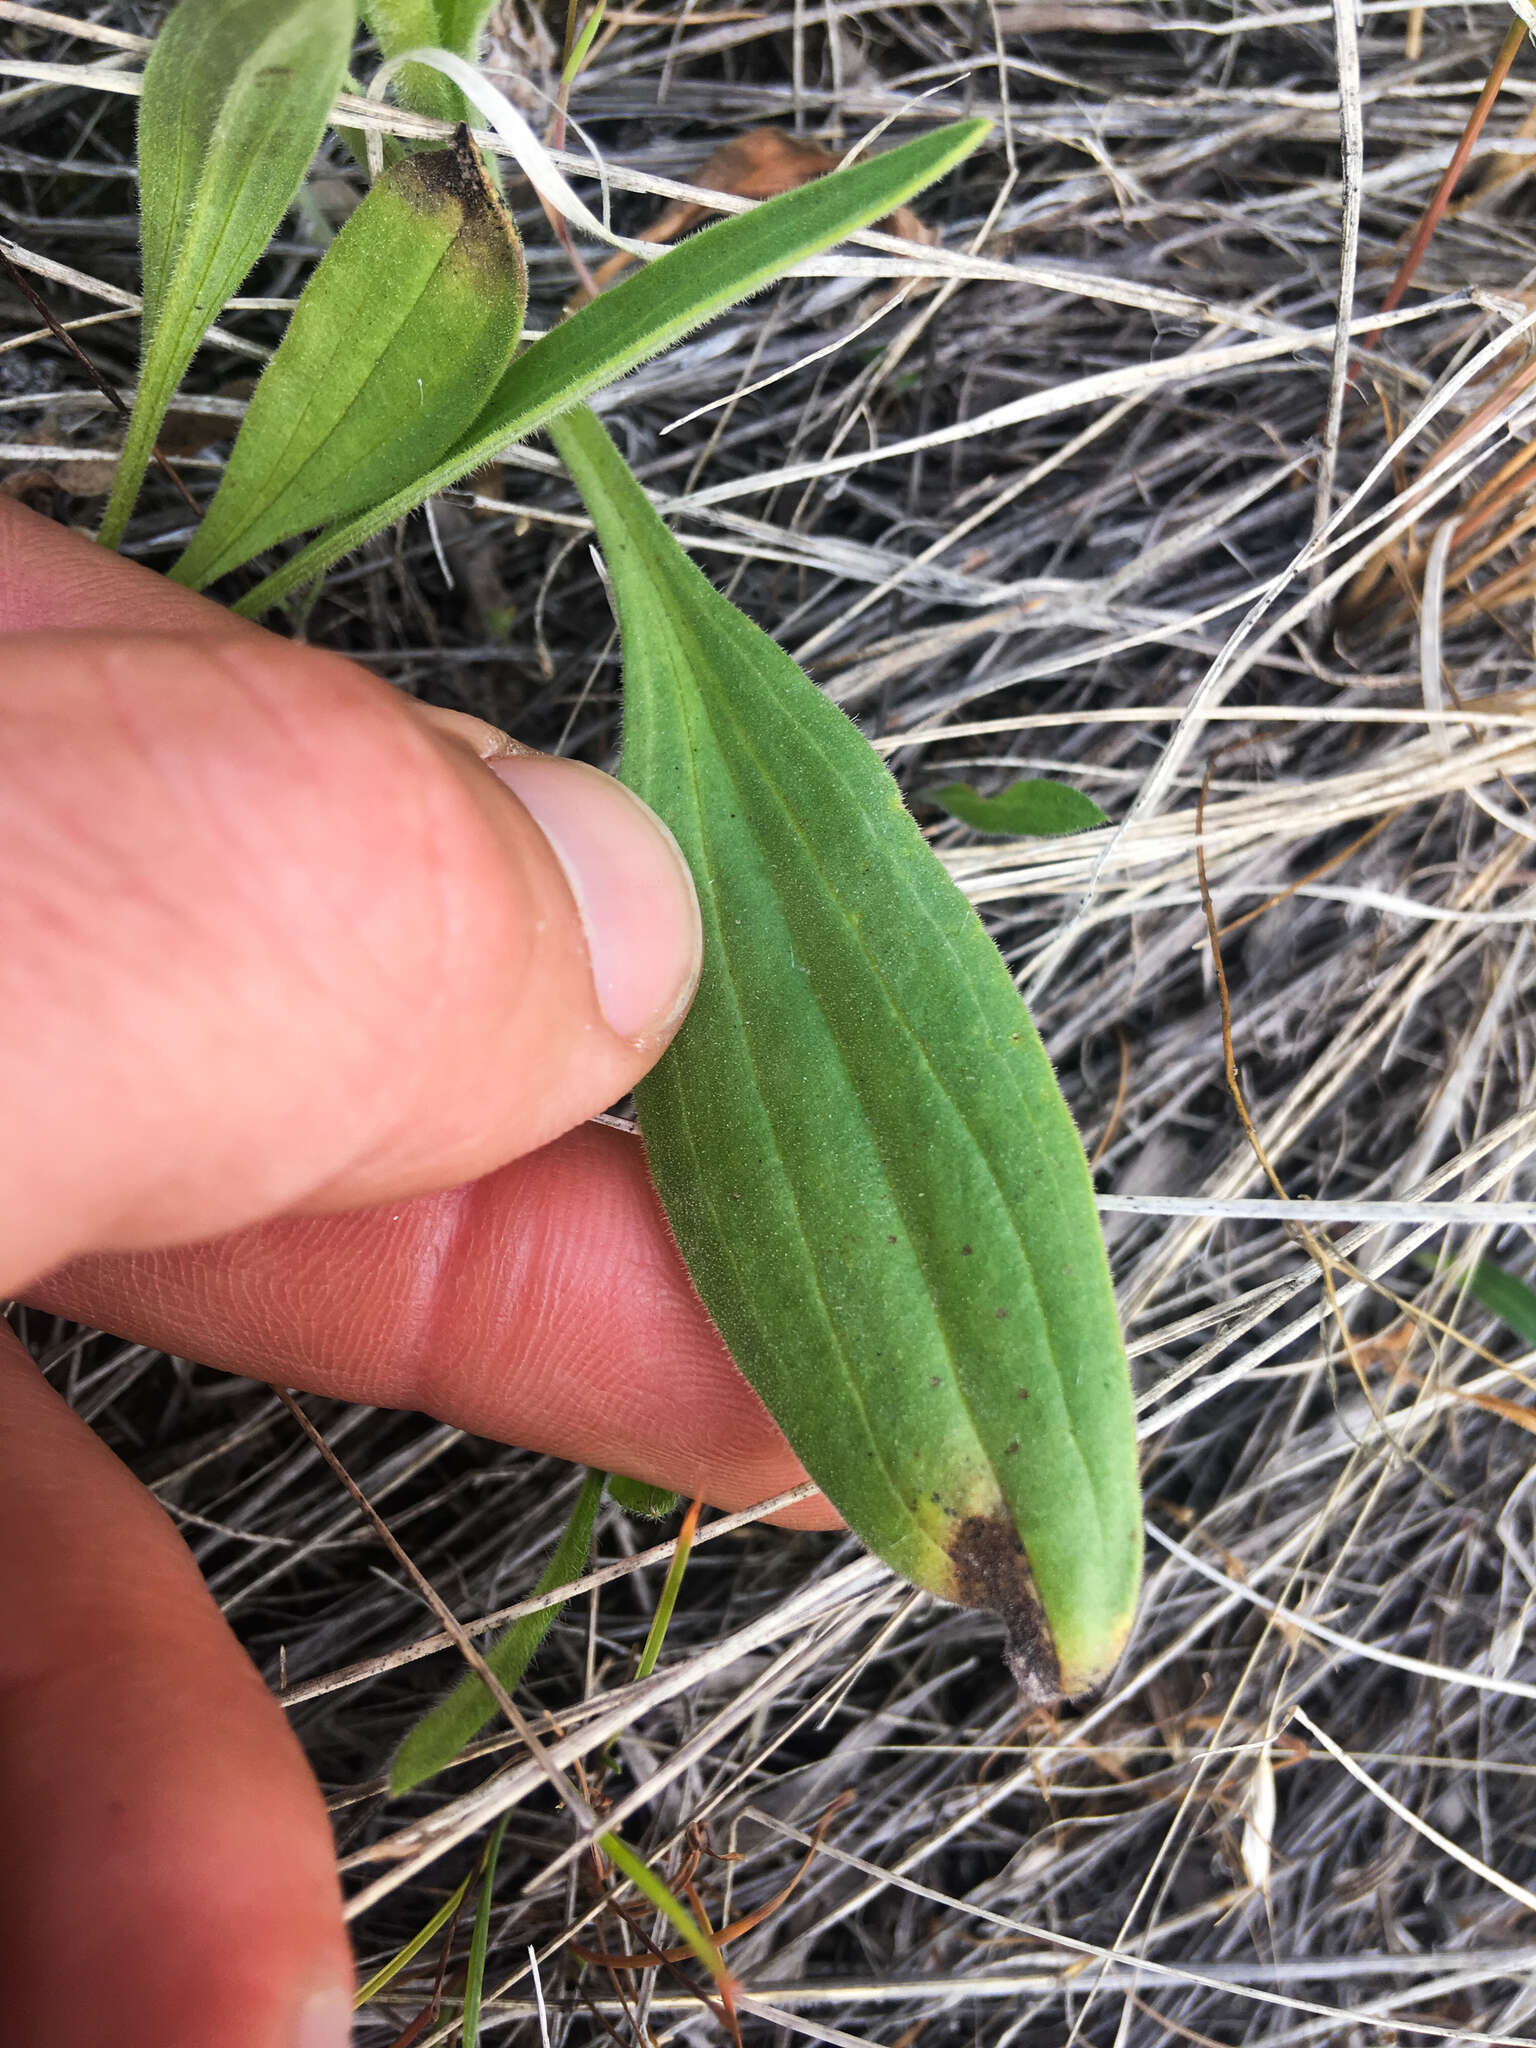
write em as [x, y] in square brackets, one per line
[1080, 510]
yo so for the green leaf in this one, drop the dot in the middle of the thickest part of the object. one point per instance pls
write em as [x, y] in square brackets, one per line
[650, 1503]
[580, 49]
[858, 1137]
[661, 1620]
[234, 104]
[455, 25]
[1498, 1291]
[650, 310]
[474, 1976]
[1023, 810]
[440, 1735]
[388, 1971]
[650, 1886]
[415, 309]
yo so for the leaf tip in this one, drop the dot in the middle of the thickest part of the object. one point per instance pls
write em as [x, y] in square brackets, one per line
[991, 1571]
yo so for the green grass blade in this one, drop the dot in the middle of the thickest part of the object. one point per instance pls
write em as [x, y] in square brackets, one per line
[571, 70]
[235, 99]
[455, 1721]
[858, 1137]
[661, 1620]
[649, 311]
[1494, 1288]
[369, 386]
[474, 1981]
[413, 1948]
[650, 1886]
[1031, 808]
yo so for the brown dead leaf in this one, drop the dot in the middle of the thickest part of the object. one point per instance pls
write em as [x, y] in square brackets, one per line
[758, 165]
[72, 479]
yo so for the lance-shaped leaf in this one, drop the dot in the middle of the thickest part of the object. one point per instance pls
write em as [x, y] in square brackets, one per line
[858, 1137]
[1035, 807]
[234, 104]
[1498, 1290]
[457, 1719]
[636, 320]
[415, 309]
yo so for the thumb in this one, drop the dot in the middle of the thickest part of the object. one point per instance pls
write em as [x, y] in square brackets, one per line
[274, 939]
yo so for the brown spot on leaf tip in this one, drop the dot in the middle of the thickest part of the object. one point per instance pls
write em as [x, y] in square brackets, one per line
[486, 237]
[991, 1571]
[456, 173]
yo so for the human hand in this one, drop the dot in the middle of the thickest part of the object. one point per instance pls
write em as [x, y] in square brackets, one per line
[281, 960]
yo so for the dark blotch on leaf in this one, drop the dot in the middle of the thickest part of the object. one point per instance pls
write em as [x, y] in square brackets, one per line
[457, 173]
[991, 1571]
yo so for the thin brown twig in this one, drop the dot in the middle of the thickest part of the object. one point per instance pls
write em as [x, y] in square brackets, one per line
[102, 382]
[1117, 1107]
[450, 1621]
[1498, 71]
[1324, 867]
[1320, 1253]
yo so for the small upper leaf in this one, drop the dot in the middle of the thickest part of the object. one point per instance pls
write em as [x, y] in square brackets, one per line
[635, 1497]
[416, 308]
[235, 98]
[1023, 810]
[455, 25]
[647, 313]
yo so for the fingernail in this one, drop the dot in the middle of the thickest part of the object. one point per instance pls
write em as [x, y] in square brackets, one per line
[482, 738]
[325, 2020]
[631, 885]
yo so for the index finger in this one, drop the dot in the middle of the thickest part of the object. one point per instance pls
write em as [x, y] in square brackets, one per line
[53, 576]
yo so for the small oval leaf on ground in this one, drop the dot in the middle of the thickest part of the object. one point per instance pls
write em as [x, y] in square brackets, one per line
[415, 309]
[1030, 809]
[1498, 1290]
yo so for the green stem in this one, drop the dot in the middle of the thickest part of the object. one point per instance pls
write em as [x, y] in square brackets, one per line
[669, 1592]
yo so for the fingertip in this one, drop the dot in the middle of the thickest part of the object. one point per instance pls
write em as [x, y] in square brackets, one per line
[632, 888]
[298, 952]
[545, 1306]
[630, 881]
